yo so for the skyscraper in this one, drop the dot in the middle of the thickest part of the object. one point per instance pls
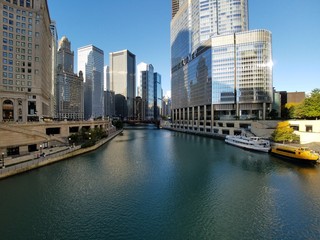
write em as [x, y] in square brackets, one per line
[109, 98]
[91, 63]
[69, 86]
[54, 49]
[26, 65]
[157, 96]
[122, 81]
[219, 69]
[145, 89]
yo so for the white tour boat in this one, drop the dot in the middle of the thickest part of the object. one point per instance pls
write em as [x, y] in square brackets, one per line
[251, 143]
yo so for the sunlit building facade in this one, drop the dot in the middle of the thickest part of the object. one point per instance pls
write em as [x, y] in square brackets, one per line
[219, 69]
[91, 63]
[145, 89]
[123, 81]
[69, 86]
[26, 66]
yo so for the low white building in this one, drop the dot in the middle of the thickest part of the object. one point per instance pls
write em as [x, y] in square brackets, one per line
[308, 130]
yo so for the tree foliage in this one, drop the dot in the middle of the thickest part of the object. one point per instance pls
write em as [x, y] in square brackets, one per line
[118, 124]
[309, 108]
[311, 105]
[284, 133]
[87, 137]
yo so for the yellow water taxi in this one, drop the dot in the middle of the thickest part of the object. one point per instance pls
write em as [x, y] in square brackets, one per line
[302, 154]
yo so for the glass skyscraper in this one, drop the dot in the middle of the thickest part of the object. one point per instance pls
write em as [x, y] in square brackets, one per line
[157, 96]
[91, 63]
[219, 69]
[145, 89]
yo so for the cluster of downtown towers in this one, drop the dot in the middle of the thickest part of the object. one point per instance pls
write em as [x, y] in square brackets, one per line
[38, 78]
[219, 69]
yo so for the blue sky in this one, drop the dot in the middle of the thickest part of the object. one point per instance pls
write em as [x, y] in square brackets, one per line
[143, 27]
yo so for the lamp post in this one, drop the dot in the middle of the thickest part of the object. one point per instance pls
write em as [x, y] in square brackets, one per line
[2, 156]
[40, 150]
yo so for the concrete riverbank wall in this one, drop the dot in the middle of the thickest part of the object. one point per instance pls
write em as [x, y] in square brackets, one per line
[26, 165]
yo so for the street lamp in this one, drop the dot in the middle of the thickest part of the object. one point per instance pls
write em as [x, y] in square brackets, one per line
[40, 150]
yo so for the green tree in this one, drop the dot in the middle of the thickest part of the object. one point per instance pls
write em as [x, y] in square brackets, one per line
[291, 107]
[311, 105]
[284, 133]
[118, 124]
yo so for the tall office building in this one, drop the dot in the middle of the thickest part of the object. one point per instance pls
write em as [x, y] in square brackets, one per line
[157, 96]
[106, 75]
[145, 89]
[26, 65]
[91, 63]
[109, 97]
[219, 69]
[54, 49]
[69, 86]
[122, 81]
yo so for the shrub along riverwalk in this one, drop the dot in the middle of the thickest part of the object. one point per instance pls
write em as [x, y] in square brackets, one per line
[29, 162]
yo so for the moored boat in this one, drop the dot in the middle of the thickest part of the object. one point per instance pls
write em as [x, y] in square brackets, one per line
[301, 154]
[250, 143]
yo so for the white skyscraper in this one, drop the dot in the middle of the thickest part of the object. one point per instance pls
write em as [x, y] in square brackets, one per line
[91, 63]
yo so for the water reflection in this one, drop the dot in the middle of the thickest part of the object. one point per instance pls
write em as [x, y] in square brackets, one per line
[157, 184]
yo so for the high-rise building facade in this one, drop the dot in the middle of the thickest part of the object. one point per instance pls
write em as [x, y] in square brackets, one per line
[91, 63]
[145, 89]
[69, 86]
[123, 81]
[157, 96]
[109, 97]
[54, 49]
[26, 61]
[219, 69]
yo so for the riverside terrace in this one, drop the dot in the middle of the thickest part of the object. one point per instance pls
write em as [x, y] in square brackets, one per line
[19, 139]
[10, 167]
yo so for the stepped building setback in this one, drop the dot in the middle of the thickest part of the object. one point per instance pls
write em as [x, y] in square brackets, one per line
[69, 86]
[220, 70]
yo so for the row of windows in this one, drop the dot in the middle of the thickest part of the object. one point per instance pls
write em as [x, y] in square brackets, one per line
[22, 70]
[18, 24]
[18, 30]
[17, 82]
[18, 44]
[18, 89]
[18, 50]
[18, 11]
[21, 3]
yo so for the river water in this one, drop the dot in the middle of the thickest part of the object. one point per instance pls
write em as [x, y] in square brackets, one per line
[158, 184]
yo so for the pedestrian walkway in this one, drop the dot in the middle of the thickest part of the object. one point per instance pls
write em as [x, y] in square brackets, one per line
[21, 164]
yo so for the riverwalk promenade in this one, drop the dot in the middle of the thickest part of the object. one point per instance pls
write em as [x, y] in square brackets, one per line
[13, 166]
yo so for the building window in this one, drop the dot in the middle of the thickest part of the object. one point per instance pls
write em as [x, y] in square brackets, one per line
[308, 128]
